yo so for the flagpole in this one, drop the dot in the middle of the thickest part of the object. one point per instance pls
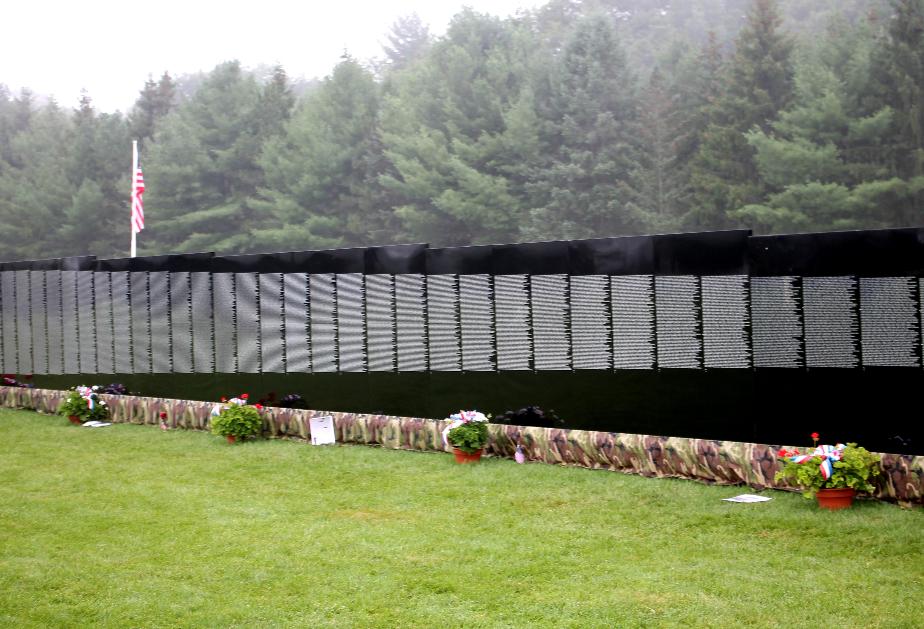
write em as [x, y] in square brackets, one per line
[132, 198]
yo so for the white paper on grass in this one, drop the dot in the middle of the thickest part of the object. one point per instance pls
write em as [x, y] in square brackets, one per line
[96, 424]
[747, 498]
[322, 430]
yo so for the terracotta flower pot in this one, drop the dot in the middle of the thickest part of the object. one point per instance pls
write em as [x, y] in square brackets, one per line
[465, 457]
[75, 420]
[231, 438]
[835, 499]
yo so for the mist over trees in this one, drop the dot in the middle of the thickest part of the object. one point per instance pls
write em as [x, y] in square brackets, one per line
[579, 119]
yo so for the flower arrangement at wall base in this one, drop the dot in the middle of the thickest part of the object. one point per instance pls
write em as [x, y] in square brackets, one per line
[82, 404]
[467, 433]
[831, 474]
[236, 421]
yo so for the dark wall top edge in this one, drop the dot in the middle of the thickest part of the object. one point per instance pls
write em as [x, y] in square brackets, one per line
[867, 253]
[175, 262]
[871, 253]
[704, 253]
[397, 259]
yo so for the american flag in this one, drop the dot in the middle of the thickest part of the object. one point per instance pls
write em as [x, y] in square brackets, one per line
[137, 204]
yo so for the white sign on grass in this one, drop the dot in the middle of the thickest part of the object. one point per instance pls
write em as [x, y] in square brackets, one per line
[322, 430]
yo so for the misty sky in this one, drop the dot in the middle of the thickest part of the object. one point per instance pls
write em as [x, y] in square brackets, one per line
[109, 48]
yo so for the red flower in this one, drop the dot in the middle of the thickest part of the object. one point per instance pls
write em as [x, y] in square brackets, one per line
[783, 452]
[259, 407]
[244, 396]
[224, 399]
[163, 415]
[815, 436]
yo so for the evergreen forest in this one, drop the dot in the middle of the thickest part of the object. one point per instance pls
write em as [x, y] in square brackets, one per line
[580, 119]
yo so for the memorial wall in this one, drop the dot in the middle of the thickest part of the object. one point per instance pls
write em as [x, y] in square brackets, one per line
[718, 335]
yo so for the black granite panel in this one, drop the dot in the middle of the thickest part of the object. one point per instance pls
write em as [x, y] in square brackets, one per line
[776, 319]
[223, 309]
[121, 322]
[181, 321]
[351, 325]
[476, 321]
[105, 353]
[890, 324]
[24, 321]
[549, 303]
[632, 298]
[380, 322]
[411, 322]
[70, 323]
[297, 326]
[591, 330]
[726, 321]
[323, 323]
[514, 323]
[55, 314]
[86, 320]
[203, 325]
[272, 323]
[831, 327]
[159, 306]
[679, 322]
[39, 318]
[247, 313]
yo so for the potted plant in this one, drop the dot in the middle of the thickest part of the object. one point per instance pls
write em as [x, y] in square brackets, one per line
[234, 420]
[467, 432]
[83, 404]
[832, 474]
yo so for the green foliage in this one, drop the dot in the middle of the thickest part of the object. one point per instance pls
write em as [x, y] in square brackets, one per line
[74, 405]
[469, 437]
[237, 420]
[856, 468]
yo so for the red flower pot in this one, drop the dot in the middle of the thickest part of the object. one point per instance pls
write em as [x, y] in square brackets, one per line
[75, 420]
[465, 457]
[835, 499]
[231, 438]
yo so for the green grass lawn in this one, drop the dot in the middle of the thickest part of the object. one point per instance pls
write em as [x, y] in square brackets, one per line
[129, 526]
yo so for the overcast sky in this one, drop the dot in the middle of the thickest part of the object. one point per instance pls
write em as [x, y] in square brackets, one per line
[109, 48]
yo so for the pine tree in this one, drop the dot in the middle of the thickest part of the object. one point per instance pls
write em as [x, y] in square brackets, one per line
[408, 41]
[829, 161]
[321, 173]
[659, 174]
[444, 131]
[758, 86]
[202, 167]
[154, 102]
[589, 124]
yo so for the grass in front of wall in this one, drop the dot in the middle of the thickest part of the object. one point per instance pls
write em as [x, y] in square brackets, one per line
[132, 526]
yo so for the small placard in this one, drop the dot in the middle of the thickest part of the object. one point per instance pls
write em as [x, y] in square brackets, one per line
[322, 430]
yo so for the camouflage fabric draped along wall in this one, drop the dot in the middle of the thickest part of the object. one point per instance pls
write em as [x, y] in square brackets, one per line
[720, 462]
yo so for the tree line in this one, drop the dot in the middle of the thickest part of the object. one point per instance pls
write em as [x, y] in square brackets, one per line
[577, 120]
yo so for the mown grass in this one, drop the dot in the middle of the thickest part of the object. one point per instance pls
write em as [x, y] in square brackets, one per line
[129, 526]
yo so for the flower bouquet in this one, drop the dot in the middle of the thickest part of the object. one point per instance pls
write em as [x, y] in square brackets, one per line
[83, 404]
[467, 433]
[235, 420]
[833, 474]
